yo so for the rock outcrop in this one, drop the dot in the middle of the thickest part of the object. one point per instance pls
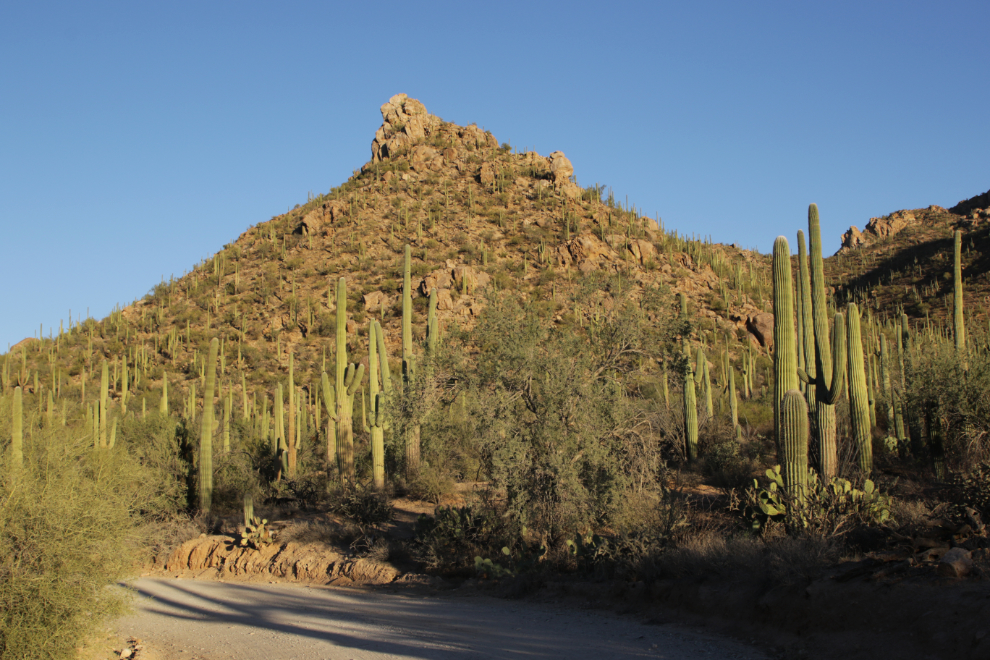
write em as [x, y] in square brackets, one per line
[303, 562]
[877, 229]
[405, 122]
[967, 206]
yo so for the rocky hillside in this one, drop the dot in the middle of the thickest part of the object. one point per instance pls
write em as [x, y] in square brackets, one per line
[904, 260]
[479, 216]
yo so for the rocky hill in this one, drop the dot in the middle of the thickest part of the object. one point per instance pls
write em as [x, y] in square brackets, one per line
[480, 217]
[904, 260]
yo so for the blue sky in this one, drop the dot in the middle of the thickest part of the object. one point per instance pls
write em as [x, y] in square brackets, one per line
[138, 138]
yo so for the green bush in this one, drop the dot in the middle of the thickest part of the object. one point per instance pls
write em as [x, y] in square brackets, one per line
[68, 519]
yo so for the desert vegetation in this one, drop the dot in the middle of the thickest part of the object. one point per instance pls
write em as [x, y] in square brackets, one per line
[460, 314]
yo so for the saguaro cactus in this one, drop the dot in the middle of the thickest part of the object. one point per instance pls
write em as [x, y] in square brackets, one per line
[163, 402]
[104, 386]
[785, 350]
[829, 368]
[432, 325]
[690, 408]
[376, 427]
[291, 442]
[348, 380]
[17, 430]
[409, 363]
[859, 405]
[206, 432]
[794, 443]
[807, 339]
[958, 321]
[733, 402]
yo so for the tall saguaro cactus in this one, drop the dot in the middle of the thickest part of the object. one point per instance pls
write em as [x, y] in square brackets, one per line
[348, 379]
[409, 364]
[829, 368]
[376, 426]
[807, 339]
[690, 408]
[958, 321]
[859, 405]
[785, 350]
[17, 430]
[104, 386]
[291, 441]
[206, 432]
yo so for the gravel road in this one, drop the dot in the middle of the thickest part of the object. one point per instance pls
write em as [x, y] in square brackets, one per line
[190, 619]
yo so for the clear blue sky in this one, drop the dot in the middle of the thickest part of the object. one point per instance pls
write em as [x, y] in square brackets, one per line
[137, 138]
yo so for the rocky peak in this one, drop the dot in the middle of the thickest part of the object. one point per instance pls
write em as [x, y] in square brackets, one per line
[877, 229]
[405, 121]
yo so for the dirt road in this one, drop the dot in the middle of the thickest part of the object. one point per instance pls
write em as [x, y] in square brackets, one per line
[203, 620]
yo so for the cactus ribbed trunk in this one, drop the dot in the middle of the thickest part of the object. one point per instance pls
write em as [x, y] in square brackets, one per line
[859, 405]
[375, 428]
[733, 403]
[104, 387]
[17, 430]
[958, 321]
[432, 325]
[703, 379]
[888, 391]
[690, 409]
[828, 364]
[409, 366]
[206, 432]
[348, 380]
[807, 338]
[330, 403]
[163, 402]
[293, 454]
[794, 443]
[345, 424]
[784, 343]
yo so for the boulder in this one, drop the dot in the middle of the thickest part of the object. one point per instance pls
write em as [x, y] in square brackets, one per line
[852, 239]
[561, 169]
[375, 300]
[439, 279]
[488, 174]
[955, 563]
[642, 251]
[761, 327]
[588, 248]
[444, 301]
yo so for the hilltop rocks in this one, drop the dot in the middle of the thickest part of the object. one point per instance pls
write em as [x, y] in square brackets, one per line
[877, 229]
[560, 168]
[561, 172]
[405, 121]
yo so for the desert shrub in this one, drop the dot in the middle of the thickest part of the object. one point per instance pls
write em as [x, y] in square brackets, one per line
[953, 392]
[723, 461]
[550, 415]
[454, 536]
[67, 522]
